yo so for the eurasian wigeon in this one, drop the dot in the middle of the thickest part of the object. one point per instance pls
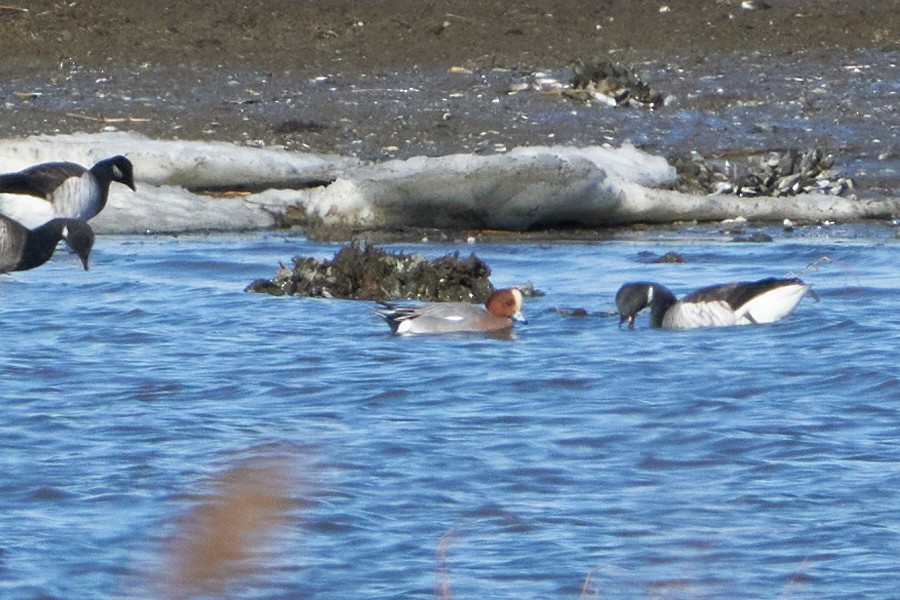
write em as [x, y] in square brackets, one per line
[67, 190]
[22, 248]
[741, 303]
[498, 313]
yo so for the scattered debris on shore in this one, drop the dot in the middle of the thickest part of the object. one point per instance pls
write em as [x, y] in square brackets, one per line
[368, 272]
[774, 173]
[612, 84]
[601, 82]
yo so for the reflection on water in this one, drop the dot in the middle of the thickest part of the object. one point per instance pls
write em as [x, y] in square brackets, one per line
[168, 435]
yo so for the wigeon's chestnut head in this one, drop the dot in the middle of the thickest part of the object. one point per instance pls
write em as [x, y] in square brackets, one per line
[740, 303]
[506, 303]
[502, 308]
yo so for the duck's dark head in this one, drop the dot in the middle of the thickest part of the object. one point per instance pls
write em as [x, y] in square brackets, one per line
[634, 297]
[118, 169]
[80, 238]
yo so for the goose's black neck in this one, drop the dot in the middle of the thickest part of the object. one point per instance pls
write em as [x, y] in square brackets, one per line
[660, 300]
[40, 243]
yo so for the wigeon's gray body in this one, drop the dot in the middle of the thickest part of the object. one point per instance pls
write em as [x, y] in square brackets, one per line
[22, 248]
[46, 191]
[502, 308]
[740, 303]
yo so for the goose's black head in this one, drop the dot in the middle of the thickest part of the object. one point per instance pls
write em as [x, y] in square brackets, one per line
[117, 168]
[632, 298]
[80, 238]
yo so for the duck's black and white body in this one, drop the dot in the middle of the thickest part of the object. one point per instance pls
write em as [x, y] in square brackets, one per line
[52, 190]
[22, 248]
[740, 303]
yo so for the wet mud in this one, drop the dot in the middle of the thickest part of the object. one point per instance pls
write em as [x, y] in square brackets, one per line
[401, 78]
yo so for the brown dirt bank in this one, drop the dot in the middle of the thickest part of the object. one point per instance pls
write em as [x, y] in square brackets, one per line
[371, 78]
[312, 37]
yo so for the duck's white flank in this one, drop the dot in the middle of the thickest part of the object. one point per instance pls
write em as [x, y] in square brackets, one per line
[691, 315]
[769, 307]
[774, 305]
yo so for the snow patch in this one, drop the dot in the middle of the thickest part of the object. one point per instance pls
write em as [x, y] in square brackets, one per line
[526, 188]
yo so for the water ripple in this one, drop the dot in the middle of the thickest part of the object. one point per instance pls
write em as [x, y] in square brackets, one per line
[719, 463]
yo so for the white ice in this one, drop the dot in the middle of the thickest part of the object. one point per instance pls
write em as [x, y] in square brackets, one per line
[523, 189]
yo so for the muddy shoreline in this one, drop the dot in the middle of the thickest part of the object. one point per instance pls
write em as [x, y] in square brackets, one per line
[402, 78]
[311, 38]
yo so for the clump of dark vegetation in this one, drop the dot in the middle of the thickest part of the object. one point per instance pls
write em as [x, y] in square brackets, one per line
[611, 83]
[773, 173]
[299, 126]
[368, 272]
[670, 257]
[755, 237]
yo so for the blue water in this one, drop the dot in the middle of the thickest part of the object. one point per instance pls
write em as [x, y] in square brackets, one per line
[574, 460]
